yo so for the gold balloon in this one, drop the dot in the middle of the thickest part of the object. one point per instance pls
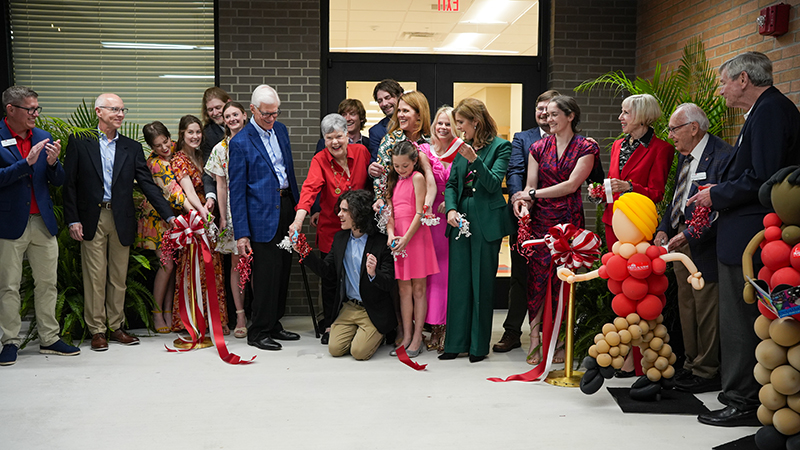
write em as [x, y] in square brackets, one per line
[644, 326]
[793, 355]
[608, 328]
[764, 415]
[604, 360]
[669, 372]
[633, 318]
[620, 323]
[660, 330]
[770, 354]
[613, 338]
[793, 401]
[761, 327]
[649, 355]
[785, 331]
[598, 337]
[614, 351]
[672, 358]
[785, 379]
[661, 363]
[771, 398]
[653, 374]
[636, 332]
[656, 343]
[665, 351]
[648, 337]
[761, 374]
[786, 421]
[593, 351]
[602, 346]
[624, 336]
[624, 349]
[617, 362]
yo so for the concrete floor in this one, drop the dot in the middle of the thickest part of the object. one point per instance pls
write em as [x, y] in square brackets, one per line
[143, 397]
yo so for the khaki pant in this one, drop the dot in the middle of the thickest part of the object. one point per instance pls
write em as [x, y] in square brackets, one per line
[105, 271]
[352, 332]
[42, 249]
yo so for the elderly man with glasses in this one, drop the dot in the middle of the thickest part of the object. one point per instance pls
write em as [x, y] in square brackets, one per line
[98, 206]
[263, 197]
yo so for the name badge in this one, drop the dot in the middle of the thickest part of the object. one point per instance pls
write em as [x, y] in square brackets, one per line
[699, 176]
[9, 142]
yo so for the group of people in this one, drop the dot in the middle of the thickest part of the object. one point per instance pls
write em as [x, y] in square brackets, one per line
[409, 220]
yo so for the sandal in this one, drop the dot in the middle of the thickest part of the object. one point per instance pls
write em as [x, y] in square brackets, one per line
[558, 358]
[240, 332]
[535, 353]
[436, 341]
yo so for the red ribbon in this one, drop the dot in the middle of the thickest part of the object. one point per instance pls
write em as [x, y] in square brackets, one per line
[573, 248]
[188, 232]
[403, 357]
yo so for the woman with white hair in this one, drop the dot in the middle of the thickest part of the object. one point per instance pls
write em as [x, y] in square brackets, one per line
[339, 168]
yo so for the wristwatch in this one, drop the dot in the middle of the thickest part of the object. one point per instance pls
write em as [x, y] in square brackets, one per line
[532, 193]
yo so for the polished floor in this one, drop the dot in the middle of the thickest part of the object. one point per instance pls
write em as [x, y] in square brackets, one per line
[143, 397]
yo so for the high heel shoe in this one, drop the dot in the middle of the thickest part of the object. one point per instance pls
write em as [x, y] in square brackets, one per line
[448, 356]
[240, 332]
[436, 341]
[414, 353]
[474, 359]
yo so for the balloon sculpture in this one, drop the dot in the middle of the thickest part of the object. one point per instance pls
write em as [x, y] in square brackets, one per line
[635, 273]
[778, 354]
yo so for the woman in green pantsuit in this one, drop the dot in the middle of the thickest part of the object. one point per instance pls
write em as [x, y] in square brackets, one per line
[474, 189]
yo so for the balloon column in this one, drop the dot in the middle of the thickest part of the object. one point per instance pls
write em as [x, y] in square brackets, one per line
[635, 273]
[778, 354]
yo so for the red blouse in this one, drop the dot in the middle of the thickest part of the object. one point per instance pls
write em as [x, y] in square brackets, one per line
[327, 178]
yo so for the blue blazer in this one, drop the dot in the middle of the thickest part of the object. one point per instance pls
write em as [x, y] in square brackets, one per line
[703, 248]
[254, 186]
[769, 140]
[16, 177]
[517, 175]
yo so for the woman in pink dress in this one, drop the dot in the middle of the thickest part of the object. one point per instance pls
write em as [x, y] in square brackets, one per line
[441, 156]
[411, 242]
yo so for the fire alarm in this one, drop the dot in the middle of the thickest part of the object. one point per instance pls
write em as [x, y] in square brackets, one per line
[774, 20]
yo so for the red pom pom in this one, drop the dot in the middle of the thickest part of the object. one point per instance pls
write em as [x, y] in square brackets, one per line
[617, 269]
[786, 275]
[614, 286]
[765, 274]
[639, 266]
[772, 220]
[623, 306]
[649, 308]
[602, 272]
[653, 252]
[659, 266]
[767, 313]
[794, 257]
[634, 288]
[606, 257]
[657, 284]
[776, 255]
[772, 233]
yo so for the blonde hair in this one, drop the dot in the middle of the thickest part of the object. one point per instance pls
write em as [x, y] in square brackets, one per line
[436, 143]
[419, 103]
[643, 107]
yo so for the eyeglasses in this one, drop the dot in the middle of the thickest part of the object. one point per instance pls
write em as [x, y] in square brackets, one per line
[115, 110]
[31, 111]
[267, 115]
[672, 129]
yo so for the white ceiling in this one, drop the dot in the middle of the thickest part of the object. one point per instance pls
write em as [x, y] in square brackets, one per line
[479, 27]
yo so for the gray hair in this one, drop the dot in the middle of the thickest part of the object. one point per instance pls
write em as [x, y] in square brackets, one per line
[756, 65]
[333, 122]
[15, 94]
[693, 113]
[265, 94]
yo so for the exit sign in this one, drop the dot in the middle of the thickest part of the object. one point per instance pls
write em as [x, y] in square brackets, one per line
[448, 5]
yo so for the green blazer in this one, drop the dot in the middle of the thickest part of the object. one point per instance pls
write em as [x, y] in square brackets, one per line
[490, 168]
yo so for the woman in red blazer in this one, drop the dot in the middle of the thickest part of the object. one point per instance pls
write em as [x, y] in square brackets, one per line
[640, 161]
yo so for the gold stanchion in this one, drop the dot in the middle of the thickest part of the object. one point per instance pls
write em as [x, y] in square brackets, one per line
[206, 342]
[567, 377]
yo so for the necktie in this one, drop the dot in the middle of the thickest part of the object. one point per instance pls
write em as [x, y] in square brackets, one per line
[681, 187]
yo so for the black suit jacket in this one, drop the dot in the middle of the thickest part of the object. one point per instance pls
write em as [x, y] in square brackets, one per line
[769, 140]
[375, 293]
[83, 190]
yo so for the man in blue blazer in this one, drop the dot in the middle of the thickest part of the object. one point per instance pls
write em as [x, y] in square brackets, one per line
[29, 225]
[768, 141]
[263, 196]
[699, 310]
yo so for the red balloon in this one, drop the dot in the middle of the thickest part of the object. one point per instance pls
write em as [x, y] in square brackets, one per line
[794, 257]
[649, 308]
[652, 252]
[772, 220]
[606, 257]
[767, 313]
[616, 267]
[786, 275]
[659, 266]
[662, 250]
[762, 244]
[772, 233]
[657, 284]
[602, 272]
[614, 286]
[775, 255]
[663, 299]
[634, 288]
[765, 274]
[639, 266]
[623, 306]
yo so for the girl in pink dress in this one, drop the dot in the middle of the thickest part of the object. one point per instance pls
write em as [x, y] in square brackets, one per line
[411, 243]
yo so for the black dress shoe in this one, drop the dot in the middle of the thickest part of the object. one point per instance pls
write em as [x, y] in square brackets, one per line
[284, 335]
[325, 337]
[265, 343]
[730, 417]
[697, 385]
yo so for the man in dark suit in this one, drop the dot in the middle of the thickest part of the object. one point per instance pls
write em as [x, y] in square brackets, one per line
[29, 225]
[516, 179]
[386, 93]
[701, 159]
[98, 206]
[361, 266]
[263, 196]
[768, 141]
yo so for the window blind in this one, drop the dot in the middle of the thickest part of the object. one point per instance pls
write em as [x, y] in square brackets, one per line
[157, 55]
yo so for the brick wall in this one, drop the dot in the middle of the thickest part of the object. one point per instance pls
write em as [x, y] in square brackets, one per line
[590, 38]
[277, 43]
[726, 27]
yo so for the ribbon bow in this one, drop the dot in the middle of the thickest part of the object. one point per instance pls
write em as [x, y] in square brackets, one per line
[572, 247]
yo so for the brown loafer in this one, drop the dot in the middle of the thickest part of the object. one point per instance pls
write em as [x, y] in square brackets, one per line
[99, 342]
[123, 338]
[507, 343]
